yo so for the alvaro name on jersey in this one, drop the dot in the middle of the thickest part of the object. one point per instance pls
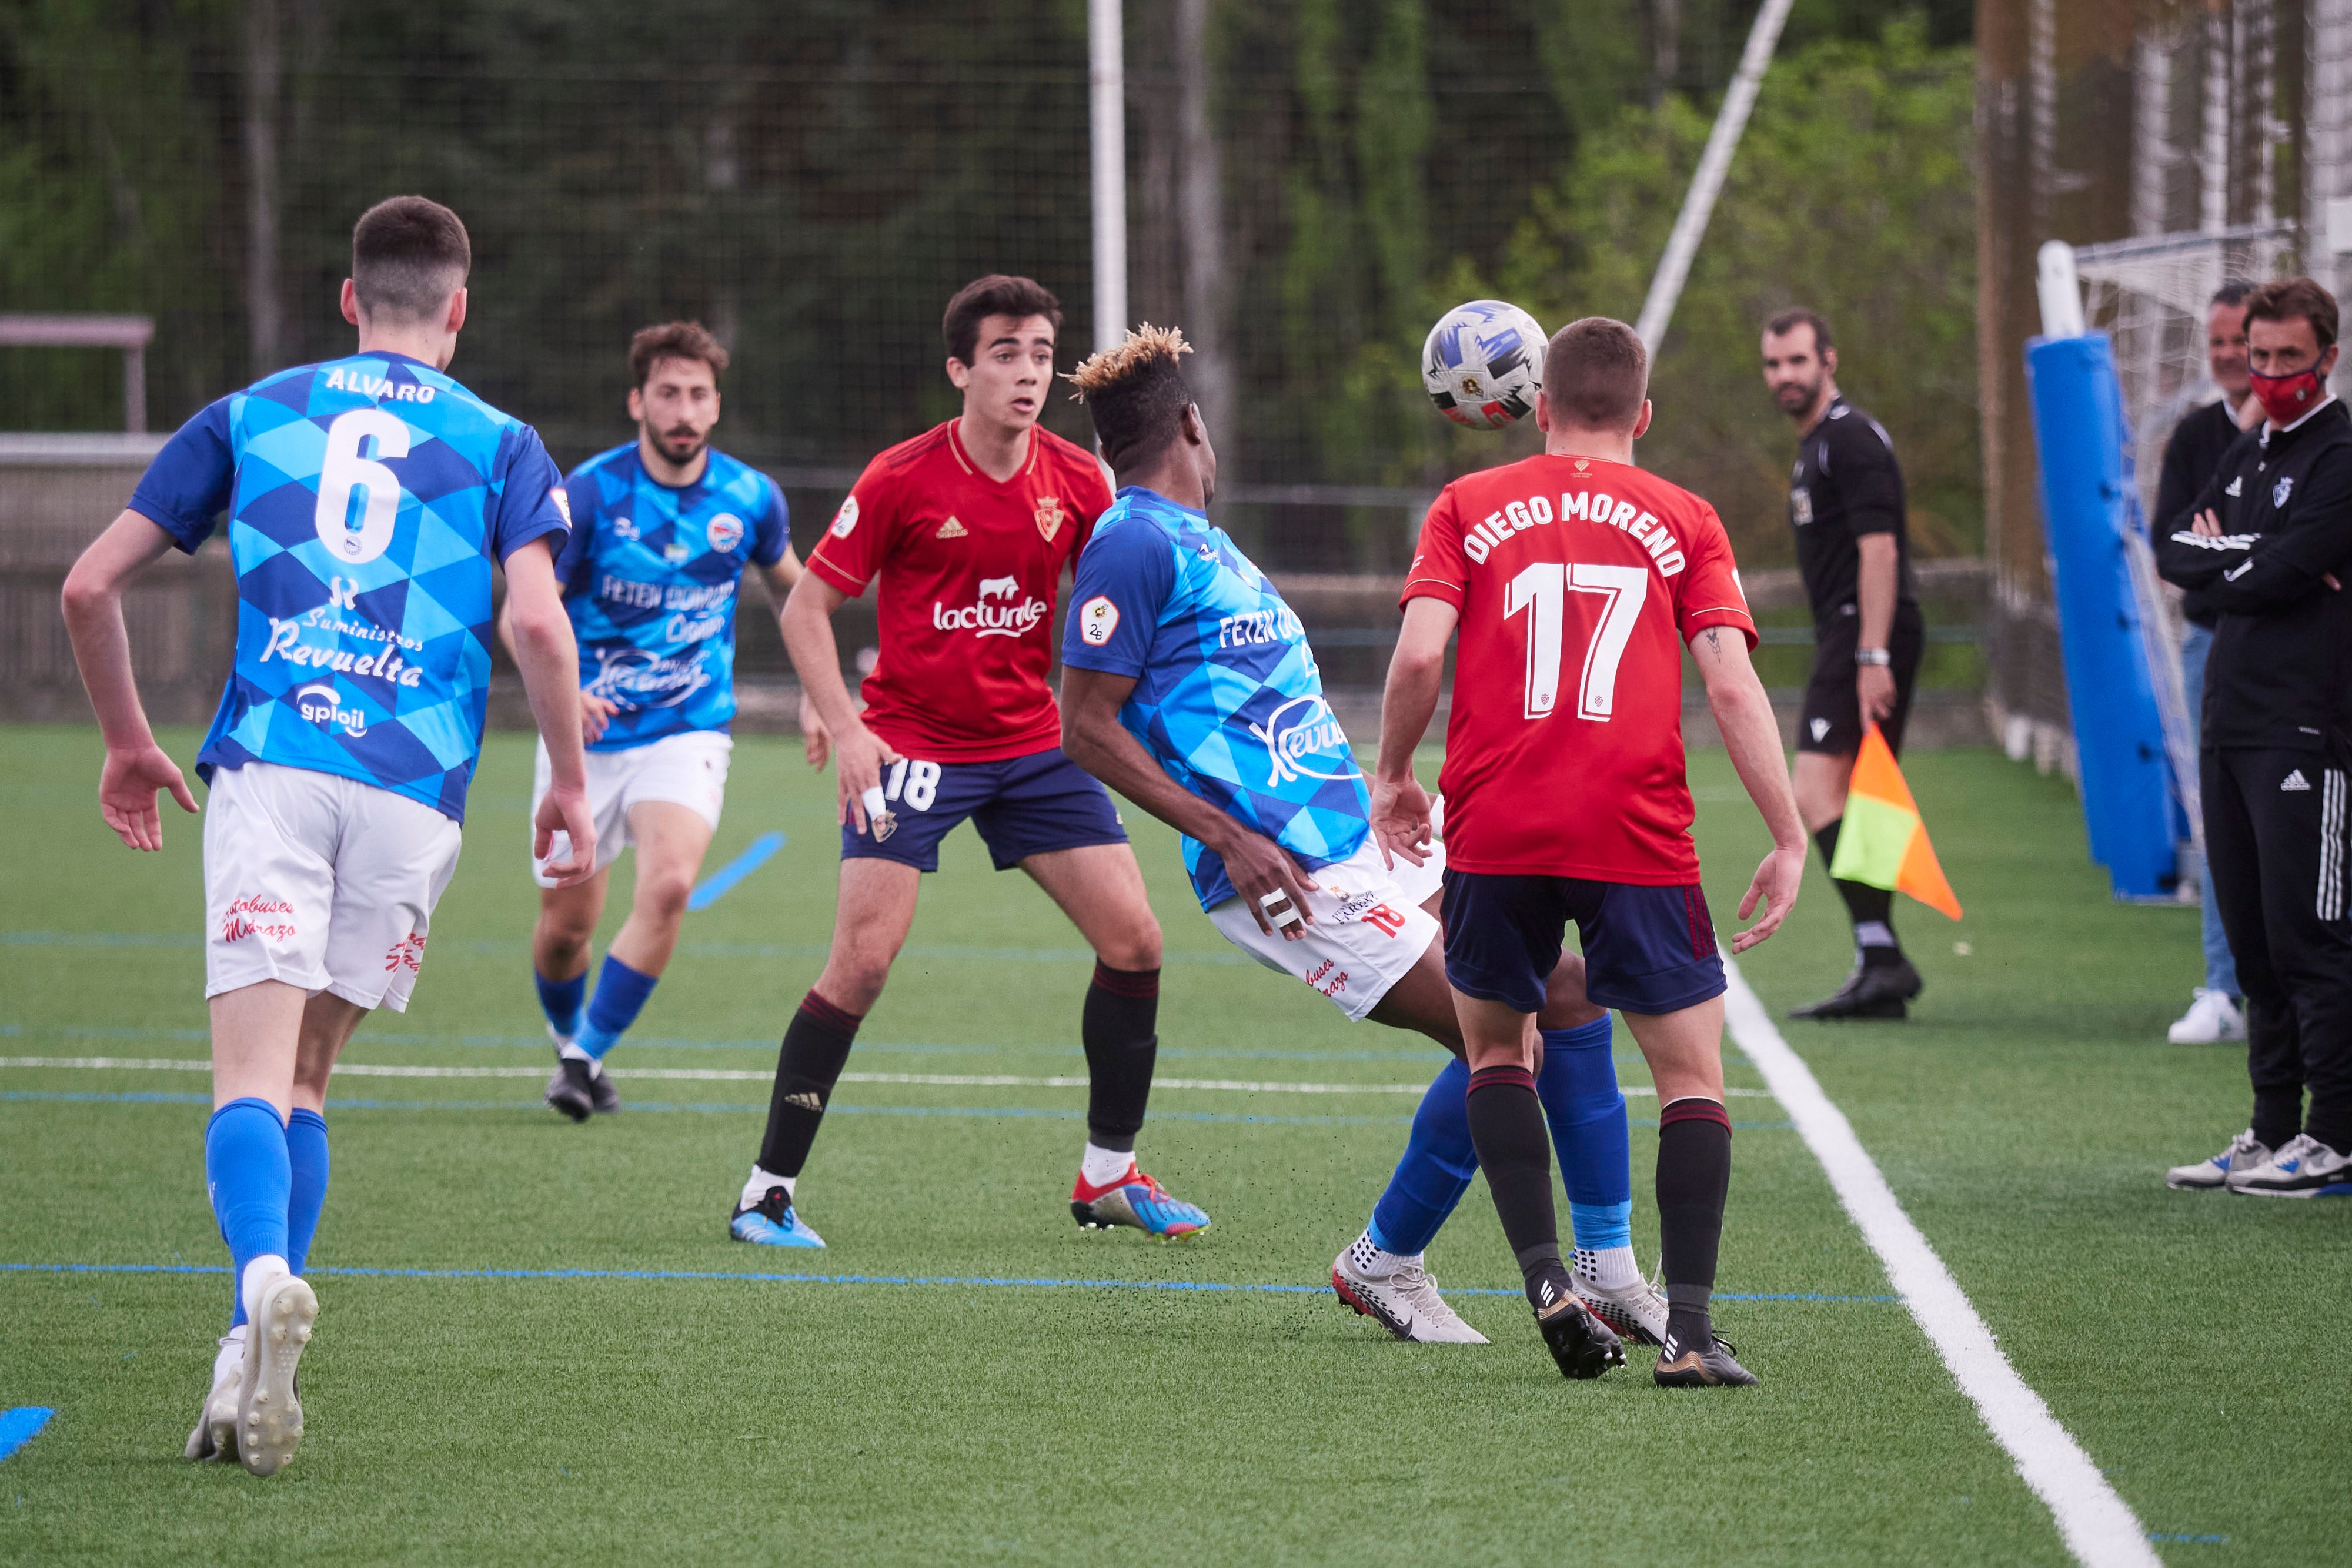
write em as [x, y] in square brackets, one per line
[650, 577]
[1227, 697]
[969, 568]
[367, 498]
[1578, 582]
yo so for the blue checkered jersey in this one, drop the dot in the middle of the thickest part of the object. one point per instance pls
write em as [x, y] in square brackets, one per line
[367, 498]
[649, 577]
[1227, 697]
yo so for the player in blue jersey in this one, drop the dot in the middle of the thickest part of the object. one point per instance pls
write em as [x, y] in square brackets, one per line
[662, 529]
[1188, 686]
[369, 500]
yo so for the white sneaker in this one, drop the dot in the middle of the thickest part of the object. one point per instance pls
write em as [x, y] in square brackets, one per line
[2305, 1167]
[270, 1417]
[1637, 1311]
[2211, 1019]
[215, 1434]
[1404, 1301]
[2242, 1154]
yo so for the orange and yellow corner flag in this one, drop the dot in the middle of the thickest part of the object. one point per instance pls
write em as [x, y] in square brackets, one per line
[1883, 842]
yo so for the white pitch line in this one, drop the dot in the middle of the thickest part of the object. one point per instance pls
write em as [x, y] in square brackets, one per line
[764, 1075]
[2097, 1526]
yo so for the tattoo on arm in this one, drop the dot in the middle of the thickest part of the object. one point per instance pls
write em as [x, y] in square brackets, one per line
[1714, 640]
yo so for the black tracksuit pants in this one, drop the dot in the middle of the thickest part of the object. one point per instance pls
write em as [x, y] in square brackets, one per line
[2276, 863]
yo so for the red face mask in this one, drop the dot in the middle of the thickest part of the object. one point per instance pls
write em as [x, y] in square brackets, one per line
[2288, 397]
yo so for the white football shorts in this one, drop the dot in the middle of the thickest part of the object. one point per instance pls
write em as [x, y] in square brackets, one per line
[1370, 928]
[687, 770]
[320, 882]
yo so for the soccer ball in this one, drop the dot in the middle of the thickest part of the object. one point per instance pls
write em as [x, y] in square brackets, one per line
[1483, 363]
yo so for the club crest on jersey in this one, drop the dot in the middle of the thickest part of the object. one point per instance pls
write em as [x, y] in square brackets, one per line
[725, 532]
[2280, 491]
[1302, 740]
[1049, 517]
[847, 518]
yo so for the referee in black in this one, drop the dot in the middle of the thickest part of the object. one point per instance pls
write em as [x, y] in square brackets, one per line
[2270, 542]
[1853, 551]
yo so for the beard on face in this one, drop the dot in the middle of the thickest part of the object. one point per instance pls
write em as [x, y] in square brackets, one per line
[679, 445]
[1795, 397]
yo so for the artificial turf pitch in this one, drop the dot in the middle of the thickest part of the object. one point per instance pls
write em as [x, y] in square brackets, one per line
[2199, 1346]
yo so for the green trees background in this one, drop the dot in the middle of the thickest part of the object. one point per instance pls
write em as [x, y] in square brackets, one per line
[814, 179]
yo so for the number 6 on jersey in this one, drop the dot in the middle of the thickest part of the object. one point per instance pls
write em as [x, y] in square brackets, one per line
[1542, 589]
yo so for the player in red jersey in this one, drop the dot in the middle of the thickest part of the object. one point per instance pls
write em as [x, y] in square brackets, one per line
[969, 527]
[1575, 580]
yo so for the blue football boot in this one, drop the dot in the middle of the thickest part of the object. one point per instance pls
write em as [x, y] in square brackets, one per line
[771, 1222]
[1135, 1199]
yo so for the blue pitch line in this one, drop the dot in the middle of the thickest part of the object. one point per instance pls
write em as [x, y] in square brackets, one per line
[736, 1107]
[717, 885]
[1041, 1282]
[22, 1425]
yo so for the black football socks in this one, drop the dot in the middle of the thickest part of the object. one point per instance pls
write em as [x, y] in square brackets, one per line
[815, 1048]
[1871, 909]
[1507, 1127]
[1117, 1027]
[1694, 1179]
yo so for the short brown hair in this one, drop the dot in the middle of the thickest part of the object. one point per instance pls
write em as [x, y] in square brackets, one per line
[2291, 296]
[995, 294]
[408, 254]
[674, 341]
[1799, 316]
[1596, 373]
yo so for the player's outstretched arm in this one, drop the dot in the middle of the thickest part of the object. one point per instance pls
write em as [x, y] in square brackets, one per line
[1408, 702]
[1093, 738]
[1744, 713]
[858, 754]
[539, 635]
[136, 767]
[816, 741]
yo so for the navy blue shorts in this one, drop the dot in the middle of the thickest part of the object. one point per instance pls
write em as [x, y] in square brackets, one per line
[1646, 949]
[1024, 806]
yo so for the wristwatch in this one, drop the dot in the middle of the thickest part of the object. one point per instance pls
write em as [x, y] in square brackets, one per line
[1872, 656]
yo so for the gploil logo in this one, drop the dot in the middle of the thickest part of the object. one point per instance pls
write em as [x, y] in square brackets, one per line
[1302, 740]
[320, 704]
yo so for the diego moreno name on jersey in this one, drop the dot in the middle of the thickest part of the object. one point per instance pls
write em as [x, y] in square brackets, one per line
[1578, 582]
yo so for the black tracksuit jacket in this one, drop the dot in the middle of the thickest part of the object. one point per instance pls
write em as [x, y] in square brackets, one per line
[2279, 676]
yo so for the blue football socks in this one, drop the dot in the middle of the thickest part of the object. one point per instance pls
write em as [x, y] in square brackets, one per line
[306, 1156]
[1580, 1099]
[1578, 1086]
[560, 1000]
[621, 994]
[1435, 1171]
[250, 1178]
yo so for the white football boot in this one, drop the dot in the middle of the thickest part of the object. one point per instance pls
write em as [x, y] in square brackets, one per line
[215, 1434]
[2242, 1154]
[270, 1415]
[1637, 1311]
[2213, 1019]
[1404, 1301]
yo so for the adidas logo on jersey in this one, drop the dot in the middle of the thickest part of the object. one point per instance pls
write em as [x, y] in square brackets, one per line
[2295, 780]
[952, 529]
[806, 1099]
[2237, 486]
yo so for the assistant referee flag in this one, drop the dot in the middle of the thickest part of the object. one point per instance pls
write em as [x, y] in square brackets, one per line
[1883, 842]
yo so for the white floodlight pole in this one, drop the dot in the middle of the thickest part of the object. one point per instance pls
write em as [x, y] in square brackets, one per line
[1698, 204]
[1107, 88]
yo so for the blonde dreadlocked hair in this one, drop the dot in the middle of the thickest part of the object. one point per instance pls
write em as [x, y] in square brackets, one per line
[1136, 393]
